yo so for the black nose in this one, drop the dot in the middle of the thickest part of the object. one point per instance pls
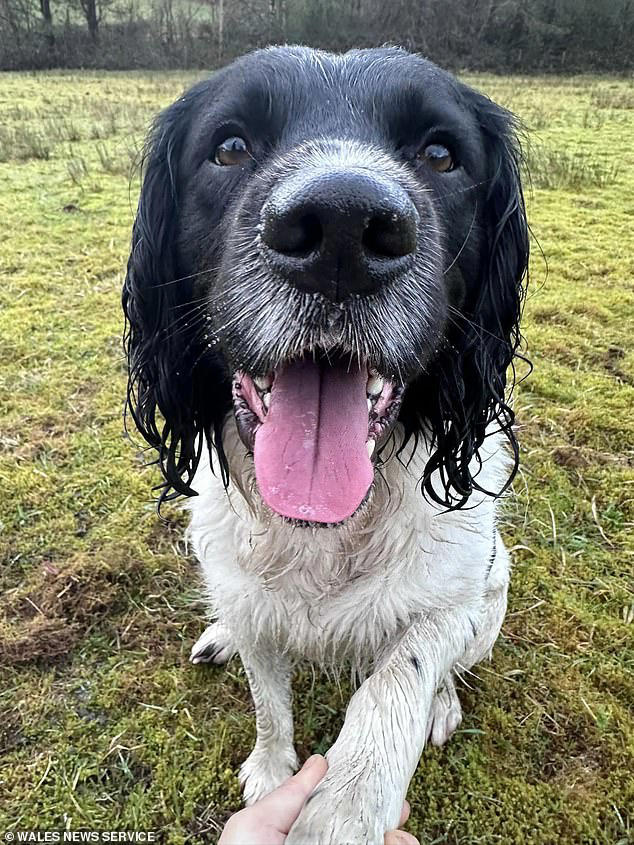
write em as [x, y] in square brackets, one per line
[339, 232]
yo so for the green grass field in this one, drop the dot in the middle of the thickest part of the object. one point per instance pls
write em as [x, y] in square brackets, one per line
[103, 723]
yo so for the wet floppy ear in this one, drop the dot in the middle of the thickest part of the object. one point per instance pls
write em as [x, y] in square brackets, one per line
[470, 390]
[496, 336]
[160, 395]
[502, 288]
[493, 337]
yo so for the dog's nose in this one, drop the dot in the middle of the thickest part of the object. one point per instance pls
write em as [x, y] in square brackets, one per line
[339, 232]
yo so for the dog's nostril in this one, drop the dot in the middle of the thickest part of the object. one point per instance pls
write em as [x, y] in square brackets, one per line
[307, 235]
[390, 236]
[298, 237]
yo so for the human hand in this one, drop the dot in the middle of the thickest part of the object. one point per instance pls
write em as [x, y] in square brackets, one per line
[268, 821]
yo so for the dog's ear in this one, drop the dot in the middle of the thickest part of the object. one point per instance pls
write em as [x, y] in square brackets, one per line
[498, 306]
[162, 322]
[471, 393]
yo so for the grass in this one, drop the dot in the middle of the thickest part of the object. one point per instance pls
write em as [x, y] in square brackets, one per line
[574, 171]
[105, 725]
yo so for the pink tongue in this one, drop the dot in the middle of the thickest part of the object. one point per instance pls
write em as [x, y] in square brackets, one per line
[311, 460]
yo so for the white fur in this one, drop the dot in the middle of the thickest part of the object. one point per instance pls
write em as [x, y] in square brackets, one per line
[404, 592]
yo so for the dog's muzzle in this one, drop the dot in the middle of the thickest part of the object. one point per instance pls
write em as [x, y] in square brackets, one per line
[343, 303]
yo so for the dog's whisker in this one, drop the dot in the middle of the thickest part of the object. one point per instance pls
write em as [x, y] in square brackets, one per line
[464, 242]
[195, 275]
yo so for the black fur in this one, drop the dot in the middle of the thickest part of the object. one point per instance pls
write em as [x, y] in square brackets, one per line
[184, 248]
[469, 384]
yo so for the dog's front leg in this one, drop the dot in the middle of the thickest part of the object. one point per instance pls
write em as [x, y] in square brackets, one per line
[273, 757]
[371, 763]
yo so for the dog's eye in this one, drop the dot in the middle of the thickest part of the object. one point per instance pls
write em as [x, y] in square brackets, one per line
[233, 150]
[438, 157]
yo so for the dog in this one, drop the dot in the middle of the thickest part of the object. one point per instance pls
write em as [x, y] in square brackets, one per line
[323, 303]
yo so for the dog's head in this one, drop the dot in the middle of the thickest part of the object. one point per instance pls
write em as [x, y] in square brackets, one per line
[326, 245]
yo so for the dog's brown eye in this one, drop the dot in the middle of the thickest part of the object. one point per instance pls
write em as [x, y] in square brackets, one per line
[438, 157]
[233, 150]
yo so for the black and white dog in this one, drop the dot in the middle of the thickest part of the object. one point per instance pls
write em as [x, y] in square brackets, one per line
[323, 300]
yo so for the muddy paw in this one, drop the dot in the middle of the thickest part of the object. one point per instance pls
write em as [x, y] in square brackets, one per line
[213, 646]
[445, 714]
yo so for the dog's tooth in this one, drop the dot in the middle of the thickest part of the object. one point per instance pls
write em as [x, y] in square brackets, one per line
[375, 385]
[370, 405]
[266, 401]
[263, 382]
[370, 447]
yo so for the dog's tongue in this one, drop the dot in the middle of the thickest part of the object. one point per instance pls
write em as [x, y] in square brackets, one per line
[311, 461]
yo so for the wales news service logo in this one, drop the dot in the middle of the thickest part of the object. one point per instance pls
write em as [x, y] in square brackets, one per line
[141, 836]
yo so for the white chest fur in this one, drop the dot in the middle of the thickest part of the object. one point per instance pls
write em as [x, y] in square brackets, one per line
[333, 593]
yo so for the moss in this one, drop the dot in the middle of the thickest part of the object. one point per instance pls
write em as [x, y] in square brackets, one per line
[104, 721]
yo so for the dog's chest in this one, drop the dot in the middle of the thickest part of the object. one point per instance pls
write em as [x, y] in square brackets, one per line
[328, 608]
[330, 595]
[330, 602]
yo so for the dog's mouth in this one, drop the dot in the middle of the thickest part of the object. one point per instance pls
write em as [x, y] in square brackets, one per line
[314, 426]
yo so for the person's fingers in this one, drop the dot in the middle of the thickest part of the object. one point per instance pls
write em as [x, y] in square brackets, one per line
[243, 828]
[282, 806]
[404, 814]
[400, 837]
[310, 773]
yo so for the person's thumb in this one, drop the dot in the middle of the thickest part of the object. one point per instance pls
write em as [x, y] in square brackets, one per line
[281, 807]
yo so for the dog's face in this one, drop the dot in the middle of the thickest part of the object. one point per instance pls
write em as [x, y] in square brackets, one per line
[326, 244]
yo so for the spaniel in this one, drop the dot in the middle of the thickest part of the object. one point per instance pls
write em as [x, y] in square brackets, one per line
[323, 300]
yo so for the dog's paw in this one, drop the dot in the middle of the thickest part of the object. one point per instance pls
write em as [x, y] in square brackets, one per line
[213, 646]
[445, 714]
[264, 770]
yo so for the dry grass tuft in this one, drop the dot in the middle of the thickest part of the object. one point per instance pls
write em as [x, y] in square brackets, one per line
[571, 170]
[617, 97]
[47, 614]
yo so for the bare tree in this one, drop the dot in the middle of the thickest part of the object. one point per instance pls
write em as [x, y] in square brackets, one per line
[89, 8]
[47, 18]
[93, 11]
[221, 29]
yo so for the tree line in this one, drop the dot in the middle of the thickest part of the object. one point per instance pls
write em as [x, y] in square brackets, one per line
[503, 35]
